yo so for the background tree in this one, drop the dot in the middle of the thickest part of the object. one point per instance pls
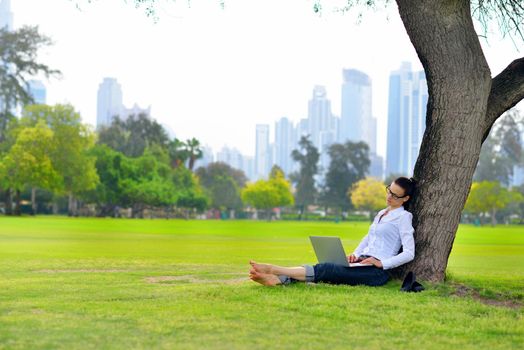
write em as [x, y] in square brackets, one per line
[305, 191]
[112, 167]
[28, 164]
[145, 181]
[19, 62]
[194, 152]
[520, 204]
[9, 140]
[133, 135]
[502, 150]
[269, 194]
[349, 163]
[283, 187]
[368, 194]
[489, 197]
[177, 152]
[73, 141]
[190, 194]
[150, 184]
[223, 185]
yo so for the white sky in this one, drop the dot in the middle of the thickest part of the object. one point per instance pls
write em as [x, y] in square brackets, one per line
[214, 73]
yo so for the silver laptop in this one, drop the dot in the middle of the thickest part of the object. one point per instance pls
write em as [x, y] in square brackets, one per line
[330, 250]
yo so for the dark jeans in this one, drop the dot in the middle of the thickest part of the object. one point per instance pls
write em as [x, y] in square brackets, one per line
[338, 274]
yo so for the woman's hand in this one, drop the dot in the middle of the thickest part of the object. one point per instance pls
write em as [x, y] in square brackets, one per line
[352, 259]
[372, 261]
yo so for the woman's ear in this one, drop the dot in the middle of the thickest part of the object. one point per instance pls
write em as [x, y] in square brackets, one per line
[406, 198]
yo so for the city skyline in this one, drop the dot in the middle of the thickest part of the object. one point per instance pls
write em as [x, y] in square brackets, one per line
[195, 67]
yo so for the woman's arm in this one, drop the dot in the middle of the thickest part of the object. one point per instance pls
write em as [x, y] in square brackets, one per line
[408, 244]
[364, 242]
[362, 245]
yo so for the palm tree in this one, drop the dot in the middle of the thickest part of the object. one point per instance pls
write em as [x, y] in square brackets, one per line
[194, 152]
[177, 153]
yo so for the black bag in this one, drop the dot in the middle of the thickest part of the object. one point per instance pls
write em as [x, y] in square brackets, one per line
[410, 284]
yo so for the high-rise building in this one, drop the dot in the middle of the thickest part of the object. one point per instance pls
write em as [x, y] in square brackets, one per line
[109, 103]
[408, 97]
[262, 151]
[319, 114]
[285, 143]
[518, 176]
[249, 167]
[356, 120]
[207, 157]
[125, 113]
[6, 16]
[321, 124]
[38, 91]
[376, 166]
[231, 156]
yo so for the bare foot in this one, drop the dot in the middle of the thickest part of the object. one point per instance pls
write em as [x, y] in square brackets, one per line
[264, 278]
[262, 268]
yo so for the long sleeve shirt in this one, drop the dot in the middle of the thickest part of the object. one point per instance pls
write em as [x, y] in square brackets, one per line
[386, 236]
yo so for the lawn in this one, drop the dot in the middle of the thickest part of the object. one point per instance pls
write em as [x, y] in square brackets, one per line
[172, 284]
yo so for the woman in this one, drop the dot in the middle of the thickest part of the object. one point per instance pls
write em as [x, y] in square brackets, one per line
[390, 230]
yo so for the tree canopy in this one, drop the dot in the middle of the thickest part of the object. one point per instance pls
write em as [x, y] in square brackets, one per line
[133, 135]
[307, 157]
[349, 163]
[269, 194]
[18, 63]
[368, 194]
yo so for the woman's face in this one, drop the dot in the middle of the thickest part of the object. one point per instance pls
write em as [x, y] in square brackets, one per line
[395, 196]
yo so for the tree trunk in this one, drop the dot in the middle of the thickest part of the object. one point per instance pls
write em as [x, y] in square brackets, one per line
[33, 201]
[18, 210]
[71, 205]
[463, 104]
[459, 85]
[493, 217]
[8, 202]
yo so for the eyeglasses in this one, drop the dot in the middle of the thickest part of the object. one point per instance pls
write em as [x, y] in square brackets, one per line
[395, 196]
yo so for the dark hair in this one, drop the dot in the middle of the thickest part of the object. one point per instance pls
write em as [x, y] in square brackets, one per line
[408, 185]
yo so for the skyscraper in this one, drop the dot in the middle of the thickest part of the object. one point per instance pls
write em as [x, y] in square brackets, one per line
[207, 157]
[231, 156]
[38, 91]
[262, 150]
[321, 124]
[6, 16]
[125, 113]
[285, 143]
[356, 121]
[319, 114]
[109, 103]
[408, 97]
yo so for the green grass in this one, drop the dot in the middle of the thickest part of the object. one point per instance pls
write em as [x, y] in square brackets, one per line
[166, 284]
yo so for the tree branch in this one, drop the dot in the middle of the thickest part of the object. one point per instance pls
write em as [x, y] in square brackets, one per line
[507, 89]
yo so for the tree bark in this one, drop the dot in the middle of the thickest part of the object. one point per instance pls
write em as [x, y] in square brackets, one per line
[18, 210]
[71, 205]
[8, 202]
[459, 84]
[33, 201]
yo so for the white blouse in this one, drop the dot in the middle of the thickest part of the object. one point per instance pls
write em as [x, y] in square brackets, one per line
[385, 238]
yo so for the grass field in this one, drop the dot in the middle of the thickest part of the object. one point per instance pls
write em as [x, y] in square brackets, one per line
[171, 284]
